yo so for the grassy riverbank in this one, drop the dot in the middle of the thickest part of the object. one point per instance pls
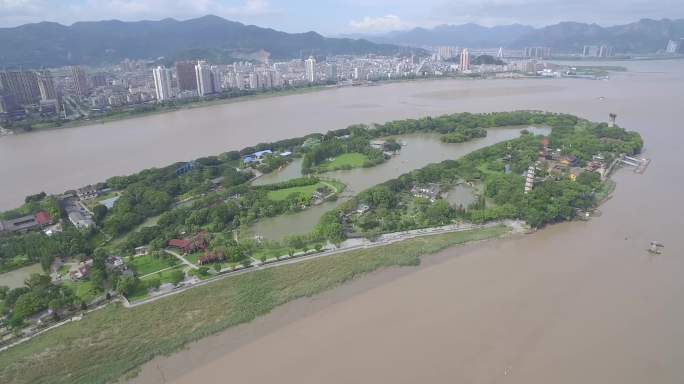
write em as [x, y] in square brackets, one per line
[108, 343]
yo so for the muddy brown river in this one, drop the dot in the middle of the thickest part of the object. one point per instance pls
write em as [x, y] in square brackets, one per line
[580, 302]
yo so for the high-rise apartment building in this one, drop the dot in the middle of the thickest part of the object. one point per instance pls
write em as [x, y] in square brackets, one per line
[671, 46]
[21, 87]
[310, 67]
[465, 60]
[360, 73]
[99, 79]
[217, 77]
[205, 82]
[598, 51]
[46, 86]
[186, 76]
[536, 52]
[253, 81]
[162, 83]
[445, 53]
[332, 72]
[78, 76]
[605, 51]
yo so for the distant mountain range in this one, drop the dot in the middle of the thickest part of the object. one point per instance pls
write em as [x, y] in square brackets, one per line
[643, 36]
[51, 44]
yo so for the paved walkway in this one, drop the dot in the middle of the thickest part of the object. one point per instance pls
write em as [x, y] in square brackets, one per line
[383, 240]
[181, 258]
[159, 271]
[386, 239]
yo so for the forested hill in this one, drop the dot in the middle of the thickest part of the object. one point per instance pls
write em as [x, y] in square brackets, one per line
[51, 44]
[643, 36]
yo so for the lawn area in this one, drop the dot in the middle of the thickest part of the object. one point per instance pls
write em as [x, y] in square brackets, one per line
[15, 263]
[165, 275]
[282, 194]
[111, 342]
[344, 161]
[337, 185]
[85, 290]
[144, 265]
[193, 257]
[149, 222]
[308, 190]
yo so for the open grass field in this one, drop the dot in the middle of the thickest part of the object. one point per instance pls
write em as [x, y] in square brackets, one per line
[193, 258]
[345, 160]
[282, 194]
[109, 343]
[144, 265]
[164, 276]
[85, 290]
[308, 190]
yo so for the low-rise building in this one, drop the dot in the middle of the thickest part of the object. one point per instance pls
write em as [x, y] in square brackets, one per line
[430, 191]
[77, 215]
[142, 250]
[26, 223]
[80, 220]
[87, 192]
[80, 270]
[197, 243]
[109, 203]
[568, 160]
[115, 263]
[182, 244]
[362, 208]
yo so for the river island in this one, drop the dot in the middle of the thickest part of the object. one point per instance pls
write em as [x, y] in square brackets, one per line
[179, 241]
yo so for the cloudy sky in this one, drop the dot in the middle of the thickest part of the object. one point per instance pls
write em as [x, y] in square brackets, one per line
[345, 16]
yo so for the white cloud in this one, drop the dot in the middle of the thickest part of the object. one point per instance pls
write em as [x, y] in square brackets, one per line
[251, 8]
[378, 24]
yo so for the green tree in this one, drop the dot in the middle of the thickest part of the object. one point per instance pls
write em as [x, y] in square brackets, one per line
[99, 213]
[26, 305]
[176, 276]
[153, 282]
[127, 285]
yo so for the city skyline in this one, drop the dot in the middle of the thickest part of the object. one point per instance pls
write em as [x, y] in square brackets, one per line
[342, 17]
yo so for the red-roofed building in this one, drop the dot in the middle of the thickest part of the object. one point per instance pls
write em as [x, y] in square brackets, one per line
[43, 218]
[197, 243]
[182, 244]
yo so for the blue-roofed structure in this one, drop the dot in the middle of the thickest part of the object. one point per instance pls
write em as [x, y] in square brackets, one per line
[248, 160]
[109, 203]
[185, 168]
[261, 154]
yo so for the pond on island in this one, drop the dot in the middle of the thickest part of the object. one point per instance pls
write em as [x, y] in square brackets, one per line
[419, 150]
[15, 278]
[462, 195]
